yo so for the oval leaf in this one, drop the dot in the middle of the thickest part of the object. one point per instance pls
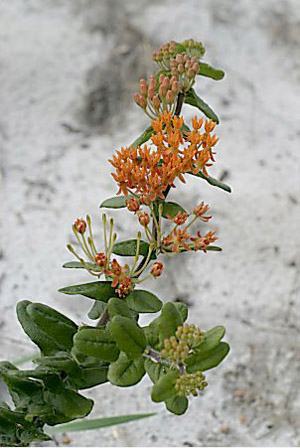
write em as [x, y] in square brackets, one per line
[118, 307]
[128, 248]
[94, 290]
[171, 209]
[155, 370]
[126, 372]
[165, 387]
[209, 360]
[170, 320]
[177, 405]
[128, 335]
[97, 309]
[143, 301]
[96, 342]
[115, 202]
[183, 310]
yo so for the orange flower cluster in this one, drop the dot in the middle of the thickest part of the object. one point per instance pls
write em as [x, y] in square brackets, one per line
[150, 171]
[120, 278]
[179, 240]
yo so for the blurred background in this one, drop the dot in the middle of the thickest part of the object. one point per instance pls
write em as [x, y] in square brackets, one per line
[67, 74]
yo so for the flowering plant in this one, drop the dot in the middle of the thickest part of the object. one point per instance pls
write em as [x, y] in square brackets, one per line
[173, 353]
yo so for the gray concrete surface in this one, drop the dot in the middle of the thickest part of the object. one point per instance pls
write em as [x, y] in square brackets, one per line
[67, 71]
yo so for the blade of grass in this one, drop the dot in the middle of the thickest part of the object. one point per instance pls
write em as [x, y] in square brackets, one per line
[97, 423]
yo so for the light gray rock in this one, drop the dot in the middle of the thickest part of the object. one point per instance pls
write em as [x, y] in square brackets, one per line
[62, 117]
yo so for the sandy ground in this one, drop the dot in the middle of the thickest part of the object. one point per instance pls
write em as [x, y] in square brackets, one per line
[67, 70]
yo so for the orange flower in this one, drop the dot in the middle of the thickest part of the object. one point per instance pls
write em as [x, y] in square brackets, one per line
[200, 210]
[150, 170]
[101, 259]
[177, 240]
[202, 242]
[180, 218]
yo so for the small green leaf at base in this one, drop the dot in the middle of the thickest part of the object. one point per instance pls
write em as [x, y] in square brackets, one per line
[115, 202]
[170, 319]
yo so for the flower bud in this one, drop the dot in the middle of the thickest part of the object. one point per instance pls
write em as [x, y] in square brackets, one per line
[180, 68]
[101, 260]
[191, 74]
[170, 97]
[136, 98]
[156, 102]
[152, 82]
[166, 82]
[157, 269]
[143, 87]
[132, 204]
[80, 225]
[196, 67]
[151, 92]
[179, 58]
[161, 78]
[144, 219]
[142, 102]
[175, 87]
[162, 91]
[125, 286]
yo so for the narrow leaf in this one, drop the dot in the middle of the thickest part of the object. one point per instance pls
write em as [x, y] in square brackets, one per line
[78, 265]
[212, 181]
[210, 72]
[143, 301]
[193, 99]
[146, 135]
[96, 423]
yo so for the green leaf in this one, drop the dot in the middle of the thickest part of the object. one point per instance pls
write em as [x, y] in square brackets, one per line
[155, 370]
[212, 181]
[212, 338]
[78, 265]
[177, 405]
[143, 301]
[126, 372]
[128, 248]
[182, 309]
[16, 431]
[165, 387]
[193, 99]
[96, 342]
[97, 309]
[69, 403]
[151, 333]
[210, 72]
[128, 335]
[116, 202]
[96, 423]
[118, 307]
[59, 327]
[208, 360]
[62, 362]
[90, 377]
[171, 209]
[40, 327]
[146, 135]
[170, 320]
[94, 290]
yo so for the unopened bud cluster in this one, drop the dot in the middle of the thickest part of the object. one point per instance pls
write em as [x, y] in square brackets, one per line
[184, 68]
[190, 384]
[157, 96]
[167, 51]
[194, 48]
[178, 347]
[190, 334]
